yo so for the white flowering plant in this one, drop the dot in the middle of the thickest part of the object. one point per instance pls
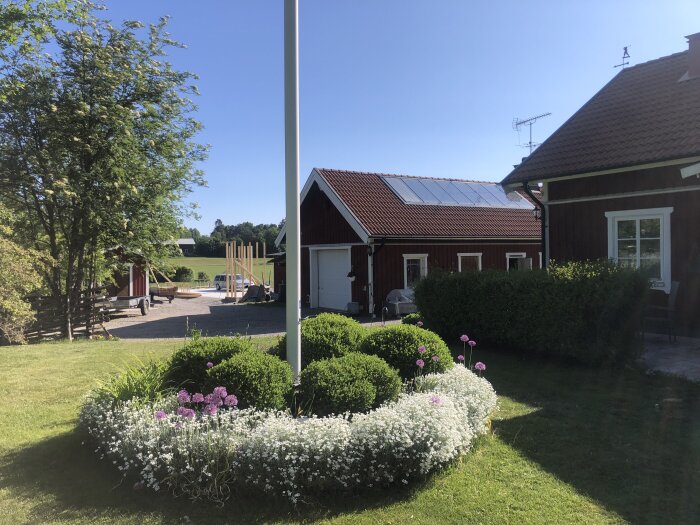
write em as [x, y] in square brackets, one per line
[210, 454]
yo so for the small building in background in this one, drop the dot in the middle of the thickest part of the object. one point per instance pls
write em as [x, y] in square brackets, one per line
[186, 245]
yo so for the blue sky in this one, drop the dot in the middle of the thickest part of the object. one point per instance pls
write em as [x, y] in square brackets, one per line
[419, 87]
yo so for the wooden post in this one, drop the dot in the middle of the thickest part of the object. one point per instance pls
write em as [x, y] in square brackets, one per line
[264, 251]
[257, 252]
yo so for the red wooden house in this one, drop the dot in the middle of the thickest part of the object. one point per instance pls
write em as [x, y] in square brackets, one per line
[620, 177]
[365, 234]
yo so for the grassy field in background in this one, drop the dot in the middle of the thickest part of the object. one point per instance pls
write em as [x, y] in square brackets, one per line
[569, 445]
[213, 265]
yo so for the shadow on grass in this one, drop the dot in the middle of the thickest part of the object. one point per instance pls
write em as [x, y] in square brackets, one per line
[61, 475]
[629, 440]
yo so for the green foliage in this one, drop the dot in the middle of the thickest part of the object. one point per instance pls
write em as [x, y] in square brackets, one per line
[352, 383]
[187, 367]
[398, 345]
[257, 379]
[588, 311]
[202, 276]
[326, 335]
[412, 318]
[140, 382]
[182, 274]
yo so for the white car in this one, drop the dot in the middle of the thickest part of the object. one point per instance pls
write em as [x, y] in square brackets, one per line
[220, 281]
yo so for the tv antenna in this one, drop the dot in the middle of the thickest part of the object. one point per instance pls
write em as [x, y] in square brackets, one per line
[625, 58]
[518, 123]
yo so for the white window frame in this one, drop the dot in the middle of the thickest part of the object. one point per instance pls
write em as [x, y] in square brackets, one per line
[423, 265]
[514, 255]
[664, 214]
[473, 254]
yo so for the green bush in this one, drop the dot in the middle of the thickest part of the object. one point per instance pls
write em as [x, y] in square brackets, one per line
[588, 311]
[412, 318]
[352, 383]
[183, 274]
[140, 383]
[187, 367]
[326, 335]
[257, 379]
[202, 276]
[398, 345]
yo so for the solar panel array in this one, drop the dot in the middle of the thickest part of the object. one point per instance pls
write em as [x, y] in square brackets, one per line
[454, 193]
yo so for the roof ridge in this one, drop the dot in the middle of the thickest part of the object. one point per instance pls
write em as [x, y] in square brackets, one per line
[381, 174]
[653, 60]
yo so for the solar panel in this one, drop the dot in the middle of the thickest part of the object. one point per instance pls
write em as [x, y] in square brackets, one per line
[413, 190]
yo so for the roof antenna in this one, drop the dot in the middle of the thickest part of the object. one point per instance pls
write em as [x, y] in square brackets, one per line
[517, 123]
[625, 56]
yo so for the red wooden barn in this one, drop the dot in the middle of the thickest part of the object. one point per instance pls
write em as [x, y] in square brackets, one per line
[620, 177]
[130, 283]
[365, 234]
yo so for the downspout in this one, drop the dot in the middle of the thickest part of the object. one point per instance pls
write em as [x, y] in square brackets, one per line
[375, 251]
[542, 219]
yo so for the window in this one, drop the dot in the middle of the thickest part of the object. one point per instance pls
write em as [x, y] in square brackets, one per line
[415, 267]
[468, 262]
[642, 239]
[518, 261]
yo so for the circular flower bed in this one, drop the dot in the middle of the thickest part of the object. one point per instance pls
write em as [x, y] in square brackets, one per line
[208, 453]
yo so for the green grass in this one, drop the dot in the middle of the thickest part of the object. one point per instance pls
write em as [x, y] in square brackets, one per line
[213, 265]
[569, 445]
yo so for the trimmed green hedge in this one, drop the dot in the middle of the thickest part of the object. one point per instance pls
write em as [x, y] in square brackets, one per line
[398, 345]
[352, 383]
[326, 335]
[588, 311]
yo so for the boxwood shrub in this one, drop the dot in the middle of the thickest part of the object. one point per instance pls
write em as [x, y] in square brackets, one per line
[413, 318]
[187, 367]
[257, 379]
[588, 311]
[326, 335]
[398, 345]
[352, 383]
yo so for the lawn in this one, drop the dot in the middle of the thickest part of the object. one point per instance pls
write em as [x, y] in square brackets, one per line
[569, 445]
[213, 265]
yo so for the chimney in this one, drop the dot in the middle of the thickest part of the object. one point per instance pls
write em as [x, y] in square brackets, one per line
[693, 56]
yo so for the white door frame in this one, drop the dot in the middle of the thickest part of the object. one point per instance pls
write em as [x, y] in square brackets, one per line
[313, 270]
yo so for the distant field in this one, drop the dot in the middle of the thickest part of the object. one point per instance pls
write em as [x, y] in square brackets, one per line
[213, 265]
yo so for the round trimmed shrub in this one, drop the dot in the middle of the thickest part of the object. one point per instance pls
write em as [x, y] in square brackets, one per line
[352, 383]
[183, 274]
[412, 318]
[188, 365]
[398, 345]
[257, 379]
[326, 335]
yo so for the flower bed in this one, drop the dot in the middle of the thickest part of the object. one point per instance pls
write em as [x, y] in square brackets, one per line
[209, 455]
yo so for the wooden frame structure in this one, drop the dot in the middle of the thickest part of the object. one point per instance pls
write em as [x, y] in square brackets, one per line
[239, 260]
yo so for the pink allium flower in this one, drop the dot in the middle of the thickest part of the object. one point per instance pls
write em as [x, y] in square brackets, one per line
[436, 400]
[464, 338]
[421, 350]
[460, 357]
[419, 324]
[210, 410]
[472, 343]
[210, 364]
[220, 391]
[183, 397]
[231, 400]
[210, 398]
[185, 412]
[435, 359]
[197, 398]
[160, 415]
[420, 363]
[480, 366]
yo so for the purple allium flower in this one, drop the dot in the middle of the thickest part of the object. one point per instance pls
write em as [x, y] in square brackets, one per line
[220, 391]
[183, 397]
[464, 338]
[210, 364]
[197, 398]
[480, 366]
[436, 400]
[231, 400]
[435, 359]
[210, 410]
[472, 343]
[209, 399]
[460, 357]
[421, 350]
[185, 412]
[420, 363]
[160, 415]
[419, 324]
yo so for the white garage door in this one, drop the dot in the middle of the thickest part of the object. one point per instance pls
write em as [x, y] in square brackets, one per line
[333, 288]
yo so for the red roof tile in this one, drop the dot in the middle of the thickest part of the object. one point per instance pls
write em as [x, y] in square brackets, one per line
[382, 213]
[643, 115]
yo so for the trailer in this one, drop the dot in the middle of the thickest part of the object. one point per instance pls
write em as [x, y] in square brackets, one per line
[123, 303]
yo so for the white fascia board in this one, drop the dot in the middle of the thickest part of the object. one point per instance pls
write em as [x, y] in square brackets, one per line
[689, 171]
[326, 188]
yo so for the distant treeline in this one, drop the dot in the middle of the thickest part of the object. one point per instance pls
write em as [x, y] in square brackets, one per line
[213, 245]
